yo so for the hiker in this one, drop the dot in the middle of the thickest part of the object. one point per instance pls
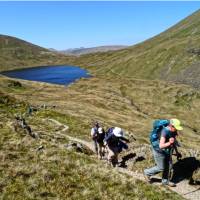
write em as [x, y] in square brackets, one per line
[98, 134]
[100, 138]
[162, 148]
[115, 142]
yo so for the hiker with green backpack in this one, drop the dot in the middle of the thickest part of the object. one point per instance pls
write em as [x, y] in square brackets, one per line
[163, 142]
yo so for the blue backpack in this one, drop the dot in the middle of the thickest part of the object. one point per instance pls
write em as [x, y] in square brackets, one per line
[158, 125]
[110, 131]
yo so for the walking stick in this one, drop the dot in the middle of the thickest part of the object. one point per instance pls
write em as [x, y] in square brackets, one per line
[170, 164]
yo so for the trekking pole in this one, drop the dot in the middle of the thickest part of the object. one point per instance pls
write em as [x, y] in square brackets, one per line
[178, 155]
[170, 164]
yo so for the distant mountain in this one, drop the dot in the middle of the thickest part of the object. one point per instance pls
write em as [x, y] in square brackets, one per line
[172, 55]
[17, 53]
[82, 50]
[52, 49]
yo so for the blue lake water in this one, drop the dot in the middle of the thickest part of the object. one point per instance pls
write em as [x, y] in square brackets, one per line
[62, 75]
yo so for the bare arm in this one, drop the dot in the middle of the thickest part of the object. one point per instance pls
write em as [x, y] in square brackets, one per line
[163, 144]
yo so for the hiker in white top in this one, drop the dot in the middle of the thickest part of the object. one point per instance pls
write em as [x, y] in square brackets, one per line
[98, 134]
[115, 142]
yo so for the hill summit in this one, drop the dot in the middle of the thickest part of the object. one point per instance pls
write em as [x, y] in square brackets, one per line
[16, 53]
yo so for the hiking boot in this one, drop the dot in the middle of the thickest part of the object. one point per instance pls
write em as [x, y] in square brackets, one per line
[100, 157]
[170, 184]
[147, 178]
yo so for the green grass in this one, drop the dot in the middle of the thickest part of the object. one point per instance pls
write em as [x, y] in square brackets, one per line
[77, 126]
[54, 172]
[132, 104]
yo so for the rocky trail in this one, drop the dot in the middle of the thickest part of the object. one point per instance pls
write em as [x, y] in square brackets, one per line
[182, 188]
[60, 133]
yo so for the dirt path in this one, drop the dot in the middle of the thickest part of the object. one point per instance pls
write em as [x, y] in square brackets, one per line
[60, 133]
[182, 188]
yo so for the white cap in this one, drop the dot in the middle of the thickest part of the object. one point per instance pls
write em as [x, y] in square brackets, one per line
[118, 132]
[100, 130]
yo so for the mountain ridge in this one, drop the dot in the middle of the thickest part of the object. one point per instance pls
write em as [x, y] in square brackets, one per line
[16, 53]
[83, 50]
[173, 55]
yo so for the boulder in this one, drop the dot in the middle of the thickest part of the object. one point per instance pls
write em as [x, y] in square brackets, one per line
[78, 147]
[14, 84]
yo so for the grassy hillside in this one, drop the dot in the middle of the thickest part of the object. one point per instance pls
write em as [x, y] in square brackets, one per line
[131, 103]
[171, 55]
[54, 172]
[16, 53]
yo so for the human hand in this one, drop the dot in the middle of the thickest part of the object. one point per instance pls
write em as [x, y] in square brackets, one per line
[171, 140]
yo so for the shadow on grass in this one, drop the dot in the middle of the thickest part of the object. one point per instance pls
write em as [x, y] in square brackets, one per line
[156, 180]
[126, 158]
[129, 157]
[184, 169]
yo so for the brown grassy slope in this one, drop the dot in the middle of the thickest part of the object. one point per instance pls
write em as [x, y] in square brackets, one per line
[16, 53]
[55, 172]
[171, 55]
[131, 104]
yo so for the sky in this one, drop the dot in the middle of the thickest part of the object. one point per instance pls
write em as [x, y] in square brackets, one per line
[62, 25]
